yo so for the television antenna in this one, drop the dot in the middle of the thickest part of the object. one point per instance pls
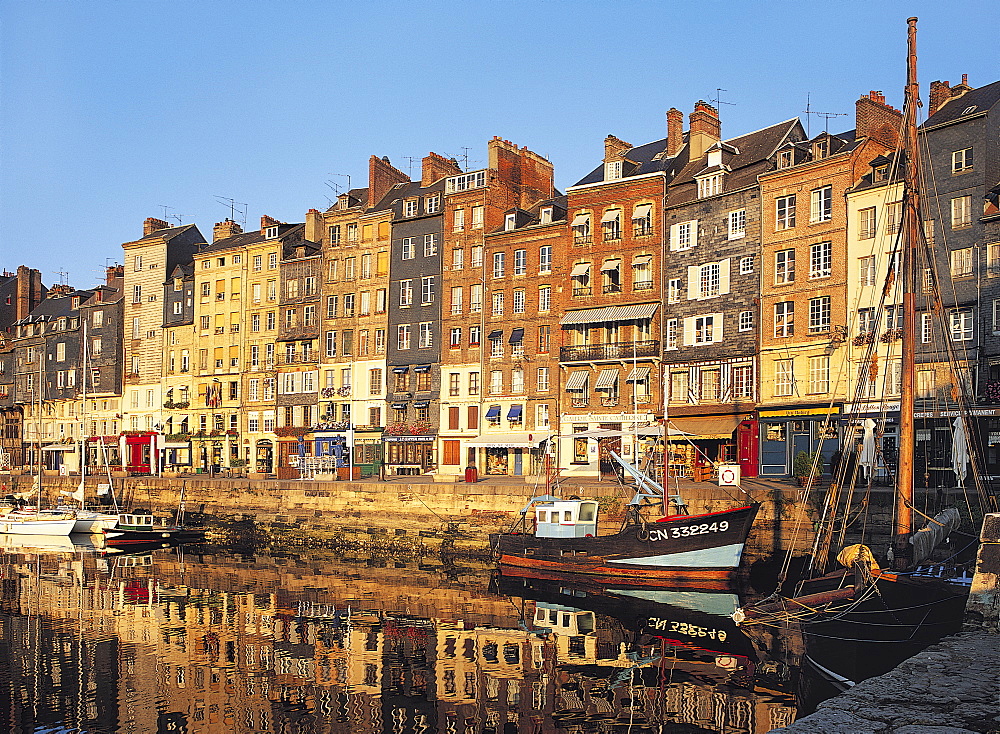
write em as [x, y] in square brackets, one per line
[63, 276]
[342, 175]
[717, 99]
[234, 208]
[409, 163]
[825, 115]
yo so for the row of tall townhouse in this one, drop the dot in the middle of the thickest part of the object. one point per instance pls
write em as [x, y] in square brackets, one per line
[731, 288]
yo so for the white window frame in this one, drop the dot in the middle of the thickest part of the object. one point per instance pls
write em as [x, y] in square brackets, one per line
[821, 204]
[820, 260]
[737, 222]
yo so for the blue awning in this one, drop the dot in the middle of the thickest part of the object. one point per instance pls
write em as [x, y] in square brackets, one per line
[514, 414]
[493, 413]
[400, 370]
[516, 336]
[422, 368]
[496, 334]
[422, 404]
[398, 406]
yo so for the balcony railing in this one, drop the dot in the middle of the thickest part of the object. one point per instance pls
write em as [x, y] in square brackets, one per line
[614, 350]
[298, 358]
[611, 288]
[583, 291]
[642, 285]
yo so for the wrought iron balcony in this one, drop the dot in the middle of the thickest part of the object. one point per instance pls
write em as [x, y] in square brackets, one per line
[614, 350]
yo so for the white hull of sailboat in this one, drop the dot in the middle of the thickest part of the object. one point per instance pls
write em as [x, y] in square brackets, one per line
[93, 523]
[12, 525]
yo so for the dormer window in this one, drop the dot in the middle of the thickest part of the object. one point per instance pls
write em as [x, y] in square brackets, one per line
[714, 157]
[410, 208]
[821, 149]
[545, 215]
[271, 233]
[509, 222]
[785, 159]
[710, 185]
[74, 303]
[612, 170]
[432, 204]
[881, 173]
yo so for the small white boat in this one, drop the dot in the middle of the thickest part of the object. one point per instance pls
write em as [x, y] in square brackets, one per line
[30, 522]
[91, 522]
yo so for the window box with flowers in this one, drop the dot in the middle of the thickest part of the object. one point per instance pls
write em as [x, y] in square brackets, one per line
[861, 339]
[991, 392]
[289, 431]
[891, 335]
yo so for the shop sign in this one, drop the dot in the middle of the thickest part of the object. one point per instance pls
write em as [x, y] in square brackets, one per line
[413, 439]
[875, 407]
[795, 412]
[968, 412]
[609, 417]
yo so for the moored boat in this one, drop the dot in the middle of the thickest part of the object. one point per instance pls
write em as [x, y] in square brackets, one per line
[15, 521]
[137, 528]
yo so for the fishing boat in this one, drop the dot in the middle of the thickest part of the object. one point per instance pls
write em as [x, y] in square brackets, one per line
[140, 527]
[901, 597]
[563, 539]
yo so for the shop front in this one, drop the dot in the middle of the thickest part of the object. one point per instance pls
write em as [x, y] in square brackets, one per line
[937, 433]
[61, 457]
[409, 454]
[263, 456]
[102, 452]
[139, 452]
[510, 454]
[785, 433]
[290, 450]
[697, 444]
[176, 455]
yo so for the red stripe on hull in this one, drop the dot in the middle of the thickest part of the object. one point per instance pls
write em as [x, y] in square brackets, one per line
[669, 576]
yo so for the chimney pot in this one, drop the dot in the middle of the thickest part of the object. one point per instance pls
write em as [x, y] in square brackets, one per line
[675, 131]
[225, 228]
[152, 225]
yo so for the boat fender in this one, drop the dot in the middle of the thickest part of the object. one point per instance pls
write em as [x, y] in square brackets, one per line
[643, 534]
[164, 535]
[589, 535]
[853, 554]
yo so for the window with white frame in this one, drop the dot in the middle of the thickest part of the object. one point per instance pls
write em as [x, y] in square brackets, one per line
[866, 223]
[821, 204]
[476, 297]
[741, 380]
[545, 259]
[544, 298]
[894, 377]
[458, 220]
[819, 315]
[784, 378]
[784, 212]
[961, 263]
[477, 256]
[737, 221]
[926, 328]
[961, 324]
[784, 266]
[520, 262]
[674, 290]
[410, 208]
[746, 264]
[406, 248]
[455, 337]
[961, 160]
[477, 217]
[893, 317]
[866, 270]
[427, 290]
[709, 185]
[517, 381]
[996, 315]
[684, 235]
[612, 170]
[542, 416]
[426, 338]
[352, 233]
[680, 386]
[893, 217]
[406, 293]
[517, 303]
[710, 384]
[785, 159]
[499, 264]
[542, 379]
[430, 244]
[496, 382]
[704, 329]
[746, 321]
[403, 336]
[784, 319]
[709, 280]
[498, 303]
[457, 258]
[496, 346]
[820, 260]
[961, 212]
[456, 299]
[642, 273]
[819, 374]
[670, 341]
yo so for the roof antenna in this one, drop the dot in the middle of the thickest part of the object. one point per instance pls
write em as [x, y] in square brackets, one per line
[717, 99]
[234, 207]
[63, 276]
[342, 175]
[409, 164]
[825, 115]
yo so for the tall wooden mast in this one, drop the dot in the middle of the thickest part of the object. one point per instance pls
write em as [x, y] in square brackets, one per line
[912, 238]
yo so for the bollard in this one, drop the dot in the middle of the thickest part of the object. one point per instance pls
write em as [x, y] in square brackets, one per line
[982, 611]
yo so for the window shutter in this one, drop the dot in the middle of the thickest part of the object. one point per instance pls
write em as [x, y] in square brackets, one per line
[717, 321]
[673, 236]
[694, 233]
[724, 277]
[689, 331]
[694, 282]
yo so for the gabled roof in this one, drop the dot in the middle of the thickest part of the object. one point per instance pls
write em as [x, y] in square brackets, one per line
[647, 158]
[982, 99]
[168, 233]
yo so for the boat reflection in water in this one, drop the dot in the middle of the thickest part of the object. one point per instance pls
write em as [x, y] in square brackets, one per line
[173, 641]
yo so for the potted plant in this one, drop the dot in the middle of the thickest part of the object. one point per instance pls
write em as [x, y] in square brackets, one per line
[802, 467]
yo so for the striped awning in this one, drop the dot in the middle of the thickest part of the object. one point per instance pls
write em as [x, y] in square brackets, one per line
[611, 265]
[606, 380]
[638, 374]
[642, 259]
[579, 269]
[602, 314]
[580, 219]
[642, 211]
[577, 380]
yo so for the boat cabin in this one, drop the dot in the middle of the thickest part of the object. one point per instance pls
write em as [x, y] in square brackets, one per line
[566, 519]
[565, 620]
[135, 522]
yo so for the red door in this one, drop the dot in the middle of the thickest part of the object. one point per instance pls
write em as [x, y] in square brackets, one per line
[747, 441]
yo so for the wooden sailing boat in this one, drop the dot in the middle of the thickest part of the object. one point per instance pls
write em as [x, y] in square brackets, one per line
[863, 602]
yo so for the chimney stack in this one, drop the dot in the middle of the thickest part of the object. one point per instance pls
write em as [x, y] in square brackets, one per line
[615, 148]
[704, 129]
[522, 177]
[30, 291]
[113, 273]
[434, 167]
[151, 225]
[382, 176]
[266, 221]
[675, 131]
[876, 120]
[314, 225]
[225, 228]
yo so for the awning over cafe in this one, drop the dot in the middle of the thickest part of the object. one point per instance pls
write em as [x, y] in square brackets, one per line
[713, 427]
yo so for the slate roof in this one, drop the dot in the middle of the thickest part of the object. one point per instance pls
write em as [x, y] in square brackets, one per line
[754, 148]
[648, 158]
[983, 99]
[168, 233]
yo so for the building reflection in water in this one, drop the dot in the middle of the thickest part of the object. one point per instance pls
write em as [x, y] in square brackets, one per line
[172, 642]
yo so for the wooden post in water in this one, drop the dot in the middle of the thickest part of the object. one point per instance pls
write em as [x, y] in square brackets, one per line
[982, 611]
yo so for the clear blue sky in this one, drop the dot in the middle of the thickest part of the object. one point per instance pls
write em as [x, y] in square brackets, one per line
[110, 109]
